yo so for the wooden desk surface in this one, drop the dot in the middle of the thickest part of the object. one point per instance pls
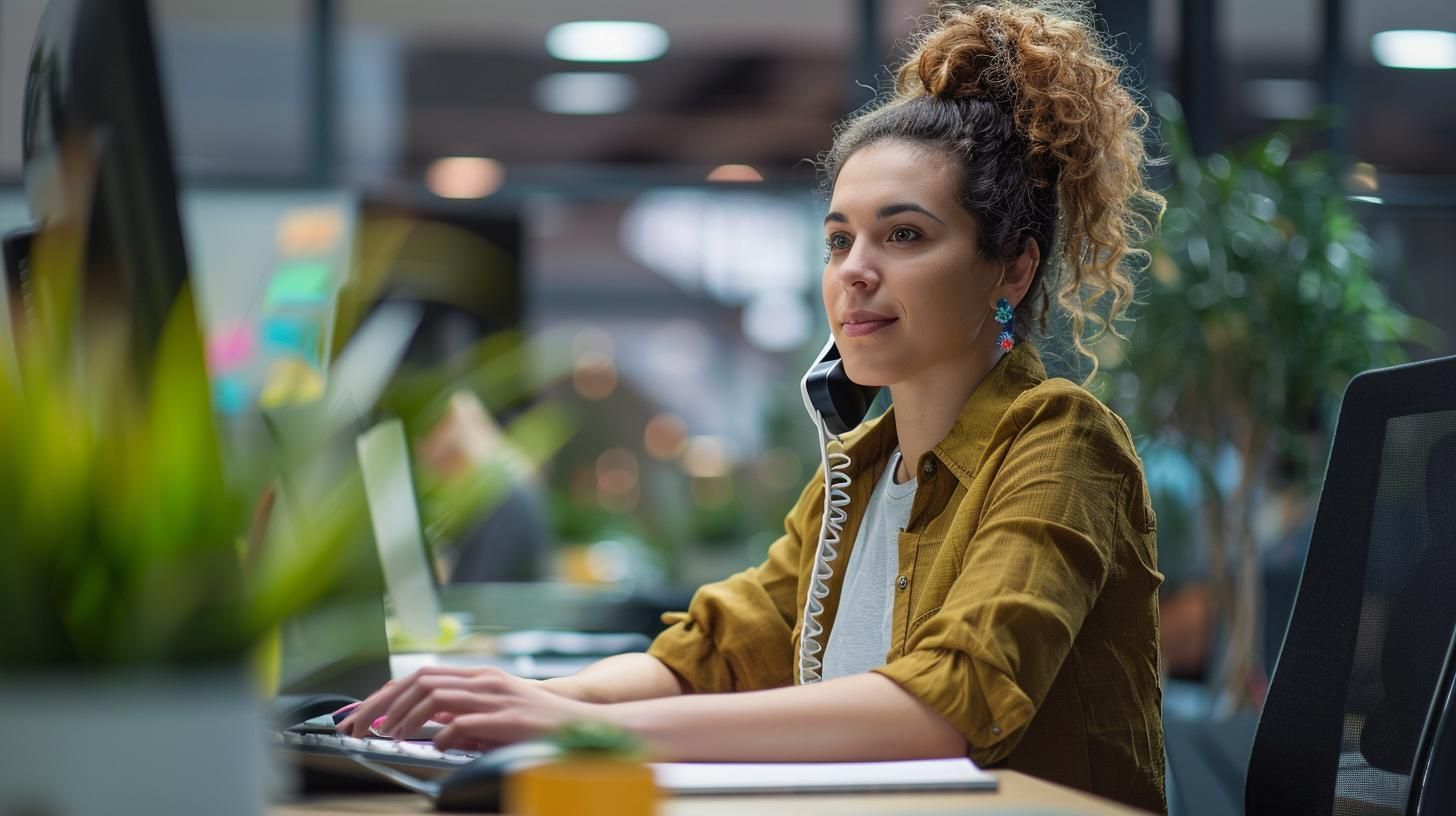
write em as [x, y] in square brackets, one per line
[1016, 793]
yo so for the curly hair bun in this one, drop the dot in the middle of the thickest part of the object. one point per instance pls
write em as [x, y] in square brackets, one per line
[1046, 64]
[966, 54]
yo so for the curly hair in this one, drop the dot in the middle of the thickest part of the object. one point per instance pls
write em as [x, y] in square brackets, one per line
[1028, 99]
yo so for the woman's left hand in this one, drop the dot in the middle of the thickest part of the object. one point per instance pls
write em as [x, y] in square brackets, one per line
[482, 708]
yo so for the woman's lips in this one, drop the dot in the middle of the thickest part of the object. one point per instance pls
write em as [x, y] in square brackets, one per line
[866, 327]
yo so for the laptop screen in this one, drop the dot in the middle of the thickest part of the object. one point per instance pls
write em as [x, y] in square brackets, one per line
[385, 464]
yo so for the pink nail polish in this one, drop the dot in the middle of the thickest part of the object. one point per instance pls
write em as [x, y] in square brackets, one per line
[374, 726]
[349, 707]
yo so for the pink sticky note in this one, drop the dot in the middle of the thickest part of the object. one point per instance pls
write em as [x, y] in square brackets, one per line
[230, 346]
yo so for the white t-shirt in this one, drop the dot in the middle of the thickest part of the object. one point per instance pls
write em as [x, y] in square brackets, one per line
[860, 639]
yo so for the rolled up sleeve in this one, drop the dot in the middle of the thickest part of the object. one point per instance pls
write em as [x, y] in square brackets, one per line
[1030, 574]
[737, 634]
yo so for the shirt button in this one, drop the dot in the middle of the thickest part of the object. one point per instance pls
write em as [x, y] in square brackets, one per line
[902, 582]
[995, 730]
[928, 466]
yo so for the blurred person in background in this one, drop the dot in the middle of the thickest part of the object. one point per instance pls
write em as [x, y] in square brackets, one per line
[999, 599]
[509, 537]
[509, 541]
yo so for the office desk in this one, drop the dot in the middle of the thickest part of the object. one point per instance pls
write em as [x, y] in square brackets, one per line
[1017, 793]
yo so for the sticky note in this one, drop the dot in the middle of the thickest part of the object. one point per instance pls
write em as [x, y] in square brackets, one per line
[230, 346]
[299, 283]
[230, 395]
[310, 230]
[291, 381]
[296, 335]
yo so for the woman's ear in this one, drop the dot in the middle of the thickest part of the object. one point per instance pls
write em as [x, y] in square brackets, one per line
[1016, 276]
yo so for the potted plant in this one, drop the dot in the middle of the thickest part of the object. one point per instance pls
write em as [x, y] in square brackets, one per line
[1263, 301]
[601, 771]
[132, 599]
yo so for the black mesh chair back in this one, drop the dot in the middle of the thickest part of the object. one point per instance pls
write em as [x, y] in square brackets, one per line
[1349, 714]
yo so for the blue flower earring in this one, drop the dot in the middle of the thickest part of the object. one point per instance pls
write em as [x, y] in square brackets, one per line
[1004, 316]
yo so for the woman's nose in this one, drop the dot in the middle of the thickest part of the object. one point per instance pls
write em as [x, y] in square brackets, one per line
[860, 269]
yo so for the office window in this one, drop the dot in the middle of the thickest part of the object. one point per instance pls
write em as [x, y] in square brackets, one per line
[1401, 118]
[236, 83]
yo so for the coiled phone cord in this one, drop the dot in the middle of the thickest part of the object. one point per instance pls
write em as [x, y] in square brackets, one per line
[836, 497]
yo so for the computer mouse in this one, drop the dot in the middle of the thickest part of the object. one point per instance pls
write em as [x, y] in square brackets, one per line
[480, 785]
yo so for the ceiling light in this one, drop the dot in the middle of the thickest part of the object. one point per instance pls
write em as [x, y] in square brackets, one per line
[1412, 48]
[585, 92]
[606, 41]
[464, 177]
[1362, 179]
[734, 172]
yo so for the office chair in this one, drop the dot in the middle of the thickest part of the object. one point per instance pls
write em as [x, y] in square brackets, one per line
[1433, 789]
[1353, 719]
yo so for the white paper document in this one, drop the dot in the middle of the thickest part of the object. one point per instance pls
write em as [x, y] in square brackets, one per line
[820, 777]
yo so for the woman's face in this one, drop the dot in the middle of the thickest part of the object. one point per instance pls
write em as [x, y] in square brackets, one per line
[905, 289]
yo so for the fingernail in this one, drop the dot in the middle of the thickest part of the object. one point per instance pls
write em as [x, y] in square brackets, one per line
[349, 707]
[375, 726]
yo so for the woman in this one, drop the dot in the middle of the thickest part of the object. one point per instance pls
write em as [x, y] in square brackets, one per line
[995, 594]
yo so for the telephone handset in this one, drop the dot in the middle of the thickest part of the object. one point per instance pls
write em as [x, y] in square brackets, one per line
[836, 404]
[830, 393]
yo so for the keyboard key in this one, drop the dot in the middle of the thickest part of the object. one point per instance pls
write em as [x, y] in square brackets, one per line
[382, 746]
[415, 749]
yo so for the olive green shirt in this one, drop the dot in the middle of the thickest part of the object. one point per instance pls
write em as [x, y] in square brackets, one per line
[1026, 606]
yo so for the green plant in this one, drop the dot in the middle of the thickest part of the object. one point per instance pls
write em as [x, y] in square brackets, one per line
[1263, 302]
[597, 740]
[125, 543]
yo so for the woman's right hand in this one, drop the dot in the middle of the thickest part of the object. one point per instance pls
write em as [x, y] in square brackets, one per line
[366, 714]
[481, 708]
[621, 678]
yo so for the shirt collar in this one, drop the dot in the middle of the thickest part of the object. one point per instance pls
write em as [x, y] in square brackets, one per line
[1021, 368]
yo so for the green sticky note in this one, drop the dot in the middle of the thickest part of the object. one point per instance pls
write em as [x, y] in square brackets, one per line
[299, 283]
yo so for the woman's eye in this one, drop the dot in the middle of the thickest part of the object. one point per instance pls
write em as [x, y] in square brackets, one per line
[837, 242]
[902, 235]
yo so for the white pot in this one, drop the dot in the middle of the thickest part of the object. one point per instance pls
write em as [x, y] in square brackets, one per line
[163, 744]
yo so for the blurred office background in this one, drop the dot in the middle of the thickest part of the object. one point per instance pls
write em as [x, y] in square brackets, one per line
[646, 221]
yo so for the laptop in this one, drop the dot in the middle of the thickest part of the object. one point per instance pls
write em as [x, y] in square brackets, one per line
[398, 534]
[344, 647]
[420, 636]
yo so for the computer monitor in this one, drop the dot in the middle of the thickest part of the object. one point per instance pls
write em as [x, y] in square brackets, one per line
[97, 162]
